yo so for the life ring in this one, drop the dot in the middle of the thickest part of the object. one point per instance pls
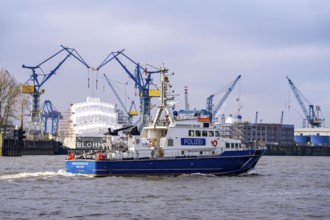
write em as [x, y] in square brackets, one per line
[214, 143]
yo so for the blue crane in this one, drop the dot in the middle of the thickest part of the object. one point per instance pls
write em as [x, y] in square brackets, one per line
[310, 115]
[142, 83]
[129, 112]
[49, 112]
[209, 101]
[39, 80]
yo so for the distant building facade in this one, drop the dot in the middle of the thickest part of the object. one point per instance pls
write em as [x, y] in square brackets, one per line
[259, 133]
[312, 136]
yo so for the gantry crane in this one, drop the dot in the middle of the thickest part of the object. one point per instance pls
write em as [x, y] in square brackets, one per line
[311, 117]
[209, 101]
[49, 112]
[35, 90]
[141, 83]
[130, 113]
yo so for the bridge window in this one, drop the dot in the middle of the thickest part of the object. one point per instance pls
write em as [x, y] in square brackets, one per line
[211, 133]
[227, 145]
[217, 134]
[191, 133]
[198, 133]
[204, 133]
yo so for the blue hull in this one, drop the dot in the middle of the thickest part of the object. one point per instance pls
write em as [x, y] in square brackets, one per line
[228, 163]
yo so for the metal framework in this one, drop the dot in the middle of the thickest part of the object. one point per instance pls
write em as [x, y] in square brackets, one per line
[209, 101]
[39, 80]
[130, 113]
[49, 112]
[141, 83]
[310, 115]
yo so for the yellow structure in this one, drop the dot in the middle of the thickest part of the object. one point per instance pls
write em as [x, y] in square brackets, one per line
[133, 113]
[153, 93]
[27, 89]
[1, 143]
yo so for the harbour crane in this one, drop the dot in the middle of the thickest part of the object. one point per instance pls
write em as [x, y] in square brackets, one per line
[141, 83]
[130, 113]
[209, 101]
[311, 117]
[39, 80]
[49, 112]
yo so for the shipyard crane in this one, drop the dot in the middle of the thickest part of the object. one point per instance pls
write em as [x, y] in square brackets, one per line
[141, 83]
[209, 101]
[39, 80]
[49, 112]
[311, 117]
[130, 113]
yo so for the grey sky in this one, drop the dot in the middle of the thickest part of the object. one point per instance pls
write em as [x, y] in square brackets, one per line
[206, 43]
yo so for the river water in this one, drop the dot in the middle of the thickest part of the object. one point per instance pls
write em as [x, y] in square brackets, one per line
[37, 187]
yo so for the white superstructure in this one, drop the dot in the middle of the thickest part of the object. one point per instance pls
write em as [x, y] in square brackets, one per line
[93, 117]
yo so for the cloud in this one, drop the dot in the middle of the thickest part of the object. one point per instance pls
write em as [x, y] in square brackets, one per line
[207, 45]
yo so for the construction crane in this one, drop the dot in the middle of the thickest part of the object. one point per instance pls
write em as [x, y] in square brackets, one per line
[129, 113]
[35, 90]
[312, 118]
[49, 112]
[209, 101]
[141, 83]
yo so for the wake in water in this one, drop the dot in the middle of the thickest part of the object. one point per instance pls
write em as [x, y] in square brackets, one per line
[25, 175]
[252, 172]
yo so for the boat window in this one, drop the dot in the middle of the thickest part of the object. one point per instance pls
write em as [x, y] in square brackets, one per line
[206, 125]
[232, 145]
[236, 145]
[211, 133]
[204, 133]
[198, 133]
[191, 133]
[227, 145]
[170, 142]
[217, 134]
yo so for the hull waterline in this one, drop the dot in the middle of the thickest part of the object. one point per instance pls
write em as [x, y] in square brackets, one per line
[229, 163]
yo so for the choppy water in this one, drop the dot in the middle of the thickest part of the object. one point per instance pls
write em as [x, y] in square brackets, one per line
[37, 187]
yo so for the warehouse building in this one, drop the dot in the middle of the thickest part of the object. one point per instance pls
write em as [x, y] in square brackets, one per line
[259, 133]
[312, 136]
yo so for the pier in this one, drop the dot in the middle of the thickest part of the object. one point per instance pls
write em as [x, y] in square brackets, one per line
[300, 150]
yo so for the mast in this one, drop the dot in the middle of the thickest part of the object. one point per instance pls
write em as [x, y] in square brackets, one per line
[163, 98]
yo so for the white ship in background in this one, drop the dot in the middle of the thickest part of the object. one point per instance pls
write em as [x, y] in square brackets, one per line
[86, 122]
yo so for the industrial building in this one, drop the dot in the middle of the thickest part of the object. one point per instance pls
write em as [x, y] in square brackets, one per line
[259, 133]
[312, 136]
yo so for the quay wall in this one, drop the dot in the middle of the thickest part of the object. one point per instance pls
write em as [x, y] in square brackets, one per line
[300, 150]
[13, 147]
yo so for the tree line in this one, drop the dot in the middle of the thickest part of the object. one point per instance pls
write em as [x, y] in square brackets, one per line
[11, 101]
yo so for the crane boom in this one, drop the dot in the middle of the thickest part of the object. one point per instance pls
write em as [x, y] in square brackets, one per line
[310, 113]
[209, 102]
[38, 83]
[115, 92]
[142, 83]
[129, 113]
